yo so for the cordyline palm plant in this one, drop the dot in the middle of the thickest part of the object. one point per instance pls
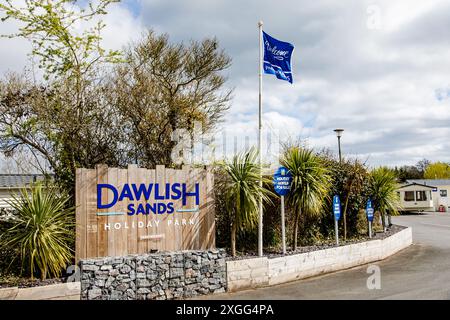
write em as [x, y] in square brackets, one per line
[42, 228]
[243, 192]
[383, 192]
[310, 184]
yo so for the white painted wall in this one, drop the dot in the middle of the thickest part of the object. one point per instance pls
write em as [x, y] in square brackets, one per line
[259, 272]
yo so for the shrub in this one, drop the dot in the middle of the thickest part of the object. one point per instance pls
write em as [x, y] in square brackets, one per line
[310, 186]
[242, 192]
[383, 191]
[41, 230]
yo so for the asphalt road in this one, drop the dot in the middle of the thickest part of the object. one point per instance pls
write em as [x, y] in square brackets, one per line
[421, 271]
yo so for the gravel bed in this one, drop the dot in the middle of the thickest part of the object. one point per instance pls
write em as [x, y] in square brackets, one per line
[274, 253]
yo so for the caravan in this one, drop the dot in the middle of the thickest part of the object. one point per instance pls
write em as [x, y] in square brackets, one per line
[416, 197]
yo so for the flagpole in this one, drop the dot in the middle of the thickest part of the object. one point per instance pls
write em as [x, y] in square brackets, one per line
[260, 218]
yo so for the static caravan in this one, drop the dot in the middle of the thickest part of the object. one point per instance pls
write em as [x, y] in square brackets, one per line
[441, 191]
[416, 197]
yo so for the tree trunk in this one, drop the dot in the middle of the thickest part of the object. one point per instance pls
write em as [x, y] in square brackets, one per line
[297, 215]
[389, 219]
[383, 219]
[233, 239]
[345, 216]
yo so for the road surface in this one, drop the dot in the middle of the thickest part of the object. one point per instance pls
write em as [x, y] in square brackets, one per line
[421, 271]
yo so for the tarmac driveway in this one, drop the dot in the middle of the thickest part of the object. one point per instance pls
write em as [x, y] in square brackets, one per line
[421, 271]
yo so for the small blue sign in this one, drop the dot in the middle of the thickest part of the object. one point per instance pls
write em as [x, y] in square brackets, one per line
[369, 210]
[282, 180]
[336, 207]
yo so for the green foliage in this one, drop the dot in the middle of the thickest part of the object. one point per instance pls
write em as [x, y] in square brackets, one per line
[383, 191]
[408, 172]
[243, 191]
[91, 112]
[50, 27]
[41, 230]
[350, 181]
[9, 264]
[164, 89]
[437, 170]
[310, 184]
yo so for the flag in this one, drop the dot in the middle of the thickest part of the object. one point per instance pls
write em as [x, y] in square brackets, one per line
[277, 57]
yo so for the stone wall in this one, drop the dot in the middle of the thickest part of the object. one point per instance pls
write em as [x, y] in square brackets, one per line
[258, 272]
[160, 276]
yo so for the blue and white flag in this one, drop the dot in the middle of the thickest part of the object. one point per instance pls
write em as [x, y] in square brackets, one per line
[277, 57]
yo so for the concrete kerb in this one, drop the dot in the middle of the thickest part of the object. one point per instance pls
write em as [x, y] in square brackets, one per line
[60, 291]
[261, 272]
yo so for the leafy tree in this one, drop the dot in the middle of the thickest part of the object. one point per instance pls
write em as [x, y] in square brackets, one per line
[82, 115]
[383, 192]
[51, 28]
[310, 184]
[353, 184]
[63, 119]
[42, 229]
[163, 87]
[41, 120]
[350, 182]
[243, 191]
[437, 170]
[422, 165]
[408, 172]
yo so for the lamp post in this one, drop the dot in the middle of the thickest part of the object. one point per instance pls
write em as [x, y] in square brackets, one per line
[339, 135]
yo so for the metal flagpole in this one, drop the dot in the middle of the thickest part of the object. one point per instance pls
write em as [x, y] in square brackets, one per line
[260, 220]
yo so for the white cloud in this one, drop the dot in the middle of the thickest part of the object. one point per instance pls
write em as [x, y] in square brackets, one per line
[380, 85]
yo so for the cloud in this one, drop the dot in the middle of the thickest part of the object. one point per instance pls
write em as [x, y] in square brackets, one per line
[379, 69]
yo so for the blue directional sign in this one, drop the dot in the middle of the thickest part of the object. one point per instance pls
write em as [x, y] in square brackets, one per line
[336, 207]
[369, 210]
[282, 180]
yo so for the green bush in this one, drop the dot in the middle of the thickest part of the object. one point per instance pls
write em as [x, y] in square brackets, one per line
[9, 265]
[41, 230]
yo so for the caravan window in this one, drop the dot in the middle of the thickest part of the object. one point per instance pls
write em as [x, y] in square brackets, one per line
[409, 195]
[443, 193]
[421, 196]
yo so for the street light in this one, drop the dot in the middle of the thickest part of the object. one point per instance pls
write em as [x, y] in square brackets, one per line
[339, 135]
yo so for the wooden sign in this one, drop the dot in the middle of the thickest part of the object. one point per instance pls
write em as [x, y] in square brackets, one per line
[137, 210]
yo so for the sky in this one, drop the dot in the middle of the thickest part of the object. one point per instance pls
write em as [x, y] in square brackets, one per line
[378, 69]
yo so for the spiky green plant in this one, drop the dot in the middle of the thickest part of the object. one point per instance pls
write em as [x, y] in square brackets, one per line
[383, 192]
[310, 184]
[42, 228]
[243, 191]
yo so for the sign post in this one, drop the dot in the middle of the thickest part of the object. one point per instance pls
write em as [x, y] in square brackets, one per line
[282, 180]
[337, 216]
[369, 212]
